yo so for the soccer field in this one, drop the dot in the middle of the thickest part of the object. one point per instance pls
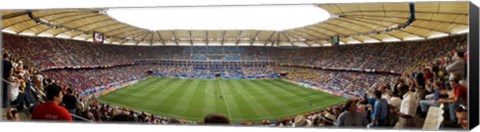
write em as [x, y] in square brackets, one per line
[239, 100]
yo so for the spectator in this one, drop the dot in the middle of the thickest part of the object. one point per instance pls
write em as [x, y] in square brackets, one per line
[122, 117]
[351, 117]
[457, 68]
[395, 101]
[216, 119]
[51, 110]
[408, 109]
[460, 97]
[16, 93]
[12, 115]
[301, 121]
[462, 116]
[70, 102]
[6, 74]
[380, 110]
[439, 93]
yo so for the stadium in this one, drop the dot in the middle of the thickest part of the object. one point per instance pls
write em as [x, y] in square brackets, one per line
[365, 65]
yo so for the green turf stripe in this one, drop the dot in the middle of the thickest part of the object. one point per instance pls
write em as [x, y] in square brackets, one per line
[132, 98]
[295, 86]
[270, 101]
[279, 91]
[248, 108]
[197, 101]
[220, 104]
[291, 88]
[152, 100]
[168, 98]
[184, 98]
[126, 90]
[126, 93]
[229, 96]
[209, 103]
[314, 96]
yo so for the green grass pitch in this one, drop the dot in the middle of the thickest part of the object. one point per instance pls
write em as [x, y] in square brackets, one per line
[242, 100]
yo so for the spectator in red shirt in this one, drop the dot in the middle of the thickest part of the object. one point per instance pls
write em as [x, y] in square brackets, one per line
[51, 110]
[460, 97]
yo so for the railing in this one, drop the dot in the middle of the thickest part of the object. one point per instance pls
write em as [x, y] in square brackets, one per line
[81, 118]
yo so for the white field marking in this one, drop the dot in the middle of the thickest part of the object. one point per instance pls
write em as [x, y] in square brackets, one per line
[225, 100]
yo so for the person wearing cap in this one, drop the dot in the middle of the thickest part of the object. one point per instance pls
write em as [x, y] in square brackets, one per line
[327, 119]
[51, 110]
[301, 121]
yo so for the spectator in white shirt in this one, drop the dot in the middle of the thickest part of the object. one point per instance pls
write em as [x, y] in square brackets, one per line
[17, 97]
[395, 101]
[408, 108]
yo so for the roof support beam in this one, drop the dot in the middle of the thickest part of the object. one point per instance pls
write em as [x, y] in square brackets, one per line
[238, 38]
[151, 38]
[419, 35]
[339, 26]
[373, 37]
[206, 37]
[355, 23]
[278, 39]
[147, 33]
[288, 39]
[371, 28]
[271, 35]
[191, 37]
[310, 29]
[254, 37]
[303, 33]
[161, 38]
[174, 37]
[122, 32]
[123, 42]
[223, 36]
[331, 30]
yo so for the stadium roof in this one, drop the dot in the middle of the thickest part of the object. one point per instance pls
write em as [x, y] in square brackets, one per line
[353, 23]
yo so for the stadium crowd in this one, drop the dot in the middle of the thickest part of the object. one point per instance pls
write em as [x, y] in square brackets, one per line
[433, 73]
